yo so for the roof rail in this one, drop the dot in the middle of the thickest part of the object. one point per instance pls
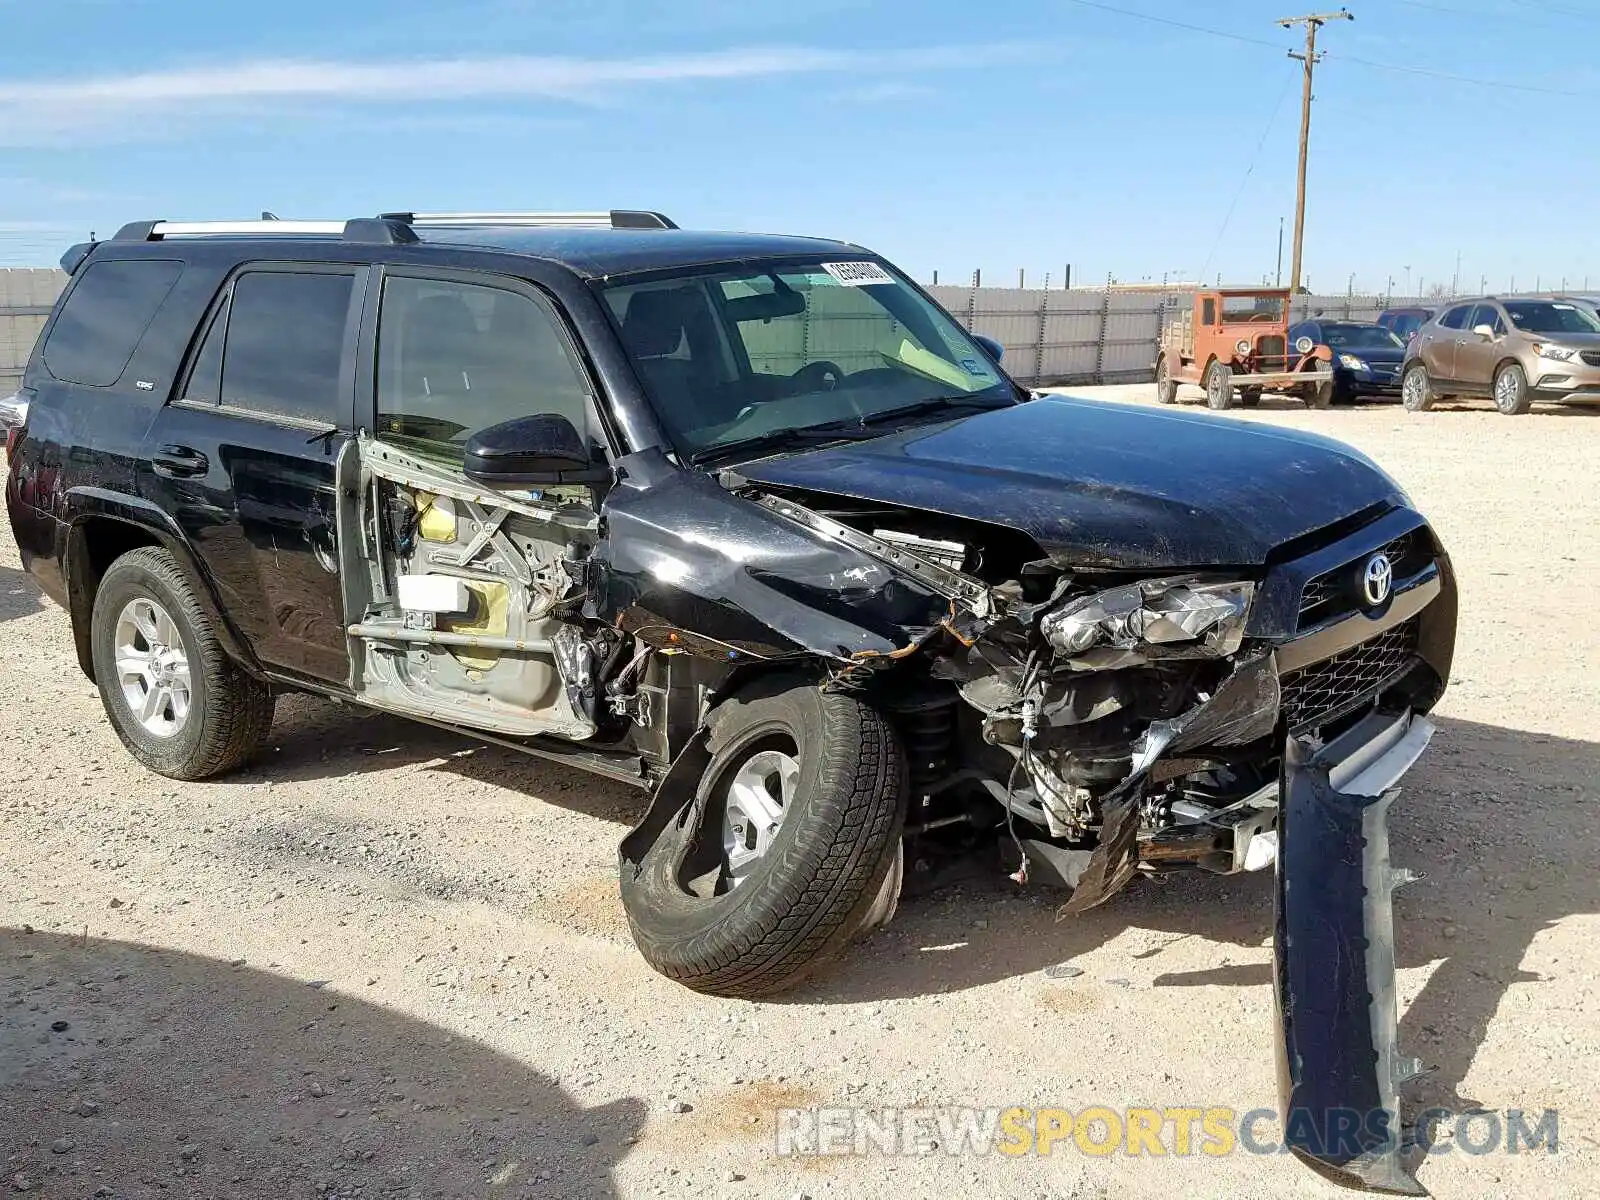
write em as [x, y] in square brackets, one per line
[387, 227]
[616, 218]
[157, 230]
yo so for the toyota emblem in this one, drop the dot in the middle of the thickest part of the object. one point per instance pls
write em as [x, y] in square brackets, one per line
[1378, 579]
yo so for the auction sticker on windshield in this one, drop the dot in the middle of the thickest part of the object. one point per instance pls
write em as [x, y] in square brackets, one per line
[858, 274]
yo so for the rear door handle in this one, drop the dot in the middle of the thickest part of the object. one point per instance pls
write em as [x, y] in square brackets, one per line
[181, 461]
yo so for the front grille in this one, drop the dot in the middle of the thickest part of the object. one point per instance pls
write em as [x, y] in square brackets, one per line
[1271, 346]
[1592, 357]
[1334, 593]
[1333, 686]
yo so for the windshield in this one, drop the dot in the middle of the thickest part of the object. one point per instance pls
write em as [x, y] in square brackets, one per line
[728, 357]
[1549, 316]
[1361, 337]
[1239, 309]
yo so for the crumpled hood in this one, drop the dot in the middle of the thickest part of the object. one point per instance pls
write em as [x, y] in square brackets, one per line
[1101, 484]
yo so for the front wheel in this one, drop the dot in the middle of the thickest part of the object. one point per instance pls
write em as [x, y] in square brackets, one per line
[1416, 389]
[1219, 386]
[786, 851]
[179, 704]
[1250, 397]
[1511, 394]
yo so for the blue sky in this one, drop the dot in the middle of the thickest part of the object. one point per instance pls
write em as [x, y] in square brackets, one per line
[946, 134]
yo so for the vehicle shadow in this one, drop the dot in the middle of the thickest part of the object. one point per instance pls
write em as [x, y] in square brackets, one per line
[313, 738]
[1502, 821]
[128, 1068]
[19, 595]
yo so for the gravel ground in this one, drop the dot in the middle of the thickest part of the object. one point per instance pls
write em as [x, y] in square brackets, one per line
[384, 961]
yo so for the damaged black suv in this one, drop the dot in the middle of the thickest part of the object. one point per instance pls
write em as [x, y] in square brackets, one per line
[752, 523]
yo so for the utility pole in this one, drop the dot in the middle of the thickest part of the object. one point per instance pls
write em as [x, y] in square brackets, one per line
[1277, 279]
[1312, 22]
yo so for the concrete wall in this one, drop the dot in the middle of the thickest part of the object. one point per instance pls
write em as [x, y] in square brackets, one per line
[25, 300]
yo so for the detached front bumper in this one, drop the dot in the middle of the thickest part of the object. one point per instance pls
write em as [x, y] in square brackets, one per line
[1334, 965]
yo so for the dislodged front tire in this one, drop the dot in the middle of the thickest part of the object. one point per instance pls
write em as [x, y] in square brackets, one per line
[784, 853]
[178, 702]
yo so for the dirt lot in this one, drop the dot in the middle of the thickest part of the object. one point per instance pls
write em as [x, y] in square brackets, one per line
[384, 961]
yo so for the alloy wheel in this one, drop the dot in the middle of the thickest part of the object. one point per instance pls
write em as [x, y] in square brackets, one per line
[152, 668]
[758, 795]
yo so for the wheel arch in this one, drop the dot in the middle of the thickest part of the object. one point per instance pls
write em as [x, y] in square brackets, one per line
[104, 527]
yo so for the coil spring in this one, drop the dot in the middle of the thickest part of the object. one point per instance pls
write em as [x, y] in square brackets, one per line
[928, 732]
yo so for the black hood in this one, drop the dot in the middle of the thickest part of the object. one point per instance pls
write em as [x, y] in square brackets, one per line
[1107, 485]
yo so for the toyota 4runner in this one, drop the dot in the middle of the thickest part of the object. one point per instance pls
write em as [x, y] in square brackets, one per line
[752, 523]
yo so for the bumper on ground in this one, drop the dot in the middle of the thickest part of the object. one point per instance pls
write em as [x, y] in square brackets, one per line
[1339, 1064]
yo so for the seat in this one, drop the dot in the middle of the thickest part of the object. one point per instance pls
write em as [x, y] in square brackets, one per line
[656, 331]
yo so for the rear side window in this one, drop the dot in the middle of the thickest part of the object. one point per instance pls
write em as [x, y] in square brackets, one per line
[1456, 318]
[105, 316]
[284, 342]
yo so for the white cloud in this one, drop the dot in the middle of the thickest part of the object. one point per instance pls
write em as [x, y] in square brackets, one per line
[37, 112]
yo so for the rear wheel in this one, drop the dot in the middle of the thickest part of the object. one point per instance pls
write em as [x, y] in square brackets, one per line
[1250, 397]
[1511, 394]
[1166, 385]
[180, 705]
[1416, 389]
[1219, 386]
[787, 851]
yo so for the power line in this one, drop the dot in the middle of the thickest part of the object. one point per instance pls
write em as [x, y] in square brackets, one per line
[1154, 20]
[1244, 182]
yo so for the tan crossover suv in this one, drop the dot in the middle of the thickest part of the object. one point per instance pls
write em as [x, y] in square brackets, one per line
[1511, 351]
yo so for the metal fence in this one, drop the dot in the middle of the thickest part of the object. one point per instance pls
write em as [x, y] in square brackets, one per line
[1110, 335]
[25, 300]
[1079, 335]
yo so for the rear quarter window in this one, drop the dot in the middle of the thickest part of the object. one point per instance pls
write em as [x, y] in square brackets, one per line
[104, 317]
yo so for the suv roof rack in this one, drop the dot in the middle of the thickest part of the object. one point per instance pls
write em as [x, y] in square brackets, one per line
[389, 227]
[616, 218]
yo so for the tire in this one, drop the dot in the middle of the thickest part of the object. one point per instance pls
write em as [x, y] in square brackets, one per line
[1416, 389]
[821, 876]
[224, 715]
[1511, 394]
[1166, 385]
[1250, 397]
[1219, 386]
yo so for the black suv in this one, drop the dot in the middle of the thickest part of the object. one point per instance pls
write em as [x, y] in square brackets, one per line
[750, 522]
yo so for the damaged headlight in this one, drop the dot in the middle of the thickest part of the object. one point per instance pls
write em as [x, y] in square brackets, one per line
[1191, 616]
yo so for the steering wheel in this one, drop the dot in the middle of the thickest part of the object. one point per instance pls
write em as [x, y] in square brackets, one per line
[819, 376]
[1262, 317]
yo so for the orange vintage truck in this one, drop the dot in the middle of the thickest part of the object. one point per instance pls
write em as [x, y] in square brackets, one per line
[1236, 339]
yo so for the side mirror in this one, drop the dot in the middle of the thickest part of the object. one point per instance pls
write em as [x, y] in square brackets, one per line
[1486, 332]
[531, 451]
[990, 347]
